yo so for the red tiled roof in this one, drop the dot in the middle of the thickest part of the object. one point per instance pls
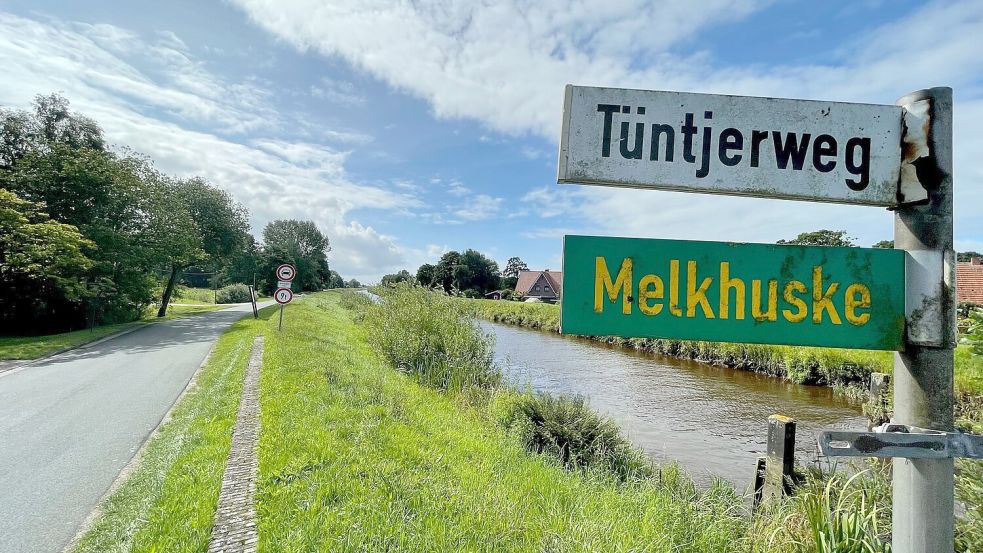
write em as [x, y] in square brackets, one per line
[969, 283]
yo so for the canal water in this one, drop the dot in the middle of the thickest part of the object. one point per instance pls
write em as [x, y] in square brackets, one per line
[712, 420]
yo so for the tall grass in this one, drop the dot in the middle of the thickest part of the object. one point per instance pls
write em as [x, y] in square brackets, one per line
[432, 337]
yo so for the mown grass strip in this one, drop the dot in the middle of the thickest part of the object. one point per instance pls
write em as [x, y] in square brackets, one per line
[168, 502]
[356, 456]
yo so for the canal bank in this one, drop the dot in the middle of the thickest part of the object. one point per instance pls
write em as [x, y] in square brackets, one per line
[712, 420]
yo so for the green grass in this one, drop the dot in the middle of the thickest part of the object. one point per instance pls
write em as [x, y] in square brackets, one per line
[168, 502]
[356, 456]
[33, 347]
[186, 294]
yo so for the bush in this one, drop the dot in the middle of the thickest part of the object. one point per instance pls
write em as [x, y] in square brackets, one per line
[233, 293]
[432, 337]
[567, 428]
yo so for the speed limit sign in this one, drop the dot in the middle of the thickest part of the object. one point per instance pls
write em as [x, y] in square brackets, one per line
[286, 272]
[283, 295]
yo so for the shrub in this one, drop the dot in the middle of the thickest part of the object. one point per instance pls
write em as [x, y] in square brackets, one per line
[566, 427]
[233, 293]
[841, 519]
[432, 337]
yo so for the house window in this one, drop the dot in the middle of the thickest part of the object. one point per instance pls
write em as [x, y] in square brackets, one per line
[535, 288]
[546, 289]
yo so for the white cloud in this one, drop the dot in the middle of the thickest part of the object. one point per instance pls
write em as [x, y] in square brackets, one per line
[274, 178]
[338, 92]
[479, 208]
[505, 64]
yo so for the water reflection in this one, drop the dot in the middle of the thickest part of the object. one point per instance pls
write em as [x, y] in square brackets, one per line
[713, 420]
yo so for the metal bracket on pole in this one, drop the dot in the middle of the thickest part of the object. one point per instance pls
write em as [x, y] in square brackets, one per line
[899, 440]
[925, 276]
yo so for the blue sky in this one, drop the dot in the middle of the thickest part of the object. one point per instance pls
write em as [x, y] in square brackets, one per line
[409, 129]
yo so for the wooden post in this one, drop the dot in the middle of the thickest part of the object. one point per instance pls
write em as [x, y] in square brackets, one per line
[876, 407]
[781, 458]
[759, 482]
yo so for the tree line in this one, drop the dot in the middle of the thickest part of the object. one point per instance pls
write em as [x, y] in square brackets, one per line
[92, 235]
[470, 274]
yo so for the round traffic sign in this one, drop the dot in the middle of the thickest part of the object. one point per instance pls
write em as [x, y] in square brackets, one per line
[286, 272]
[283, 295]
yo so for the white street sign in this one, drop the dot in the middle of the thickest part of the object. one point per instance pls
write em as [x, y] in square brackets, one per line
[736, 145]
[283, 284]
[283, 295]
[286, 272]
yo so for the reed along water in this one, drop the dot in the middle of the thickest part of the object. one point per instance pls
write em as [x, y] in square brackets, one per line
[713, 420]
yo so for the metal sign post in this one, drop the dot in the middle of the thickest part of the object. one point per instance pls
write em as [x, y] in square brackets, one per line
[897, 156]
[283, 295]
[923, 488]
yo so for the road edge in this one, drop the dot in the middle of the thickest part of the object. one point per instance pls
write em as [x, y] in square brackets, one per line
[137, 458]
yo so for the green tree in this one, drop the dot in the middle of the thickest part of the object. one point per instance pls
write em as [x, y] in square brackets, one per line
[513, 267]
[402, 276]
[967, 256]
[41, 264]
[353, 284]
[301, 244]
[821, 237]
[426, 275]
[444, 272]
[476, 273]
[335, 280]
[55, 158]
[886, 244]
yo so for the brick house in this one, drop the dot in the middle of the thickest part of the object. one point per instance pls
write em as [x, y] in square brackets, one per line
[969, 281]
[543, 285]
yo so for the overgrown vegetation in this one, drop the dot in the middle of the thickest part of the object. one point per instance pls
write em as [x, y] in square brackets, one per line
[579, 439]
[233, 293]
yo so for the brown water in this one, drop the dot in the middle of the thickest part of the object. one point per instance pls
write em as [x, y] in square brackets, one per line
[712, 420]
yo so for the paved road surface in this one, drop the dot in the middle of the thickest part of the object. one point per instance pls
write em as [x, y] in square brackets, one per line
[70, 424]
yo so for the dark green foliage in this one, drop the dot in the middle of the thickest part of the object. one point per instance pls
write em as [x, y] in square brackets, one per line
[233, 293]
[968, 256]
[301, 244]
[426, 275]
[822, 237]
[41, 262]
[513, 267]
[402, 276]
[567, 428]
[468, 271]
[886, 244]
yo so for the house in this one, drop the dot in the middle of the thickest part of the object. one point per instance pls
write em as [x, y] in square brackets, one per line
[969, 281]
[496, 295]
[543, 285]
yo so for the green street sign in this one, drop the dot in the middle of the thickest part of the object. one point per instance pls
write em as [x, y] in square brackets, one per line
[731, 292]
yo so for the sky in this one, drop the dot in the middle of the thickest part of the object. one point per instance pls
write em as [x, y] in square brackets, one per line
[406, 129]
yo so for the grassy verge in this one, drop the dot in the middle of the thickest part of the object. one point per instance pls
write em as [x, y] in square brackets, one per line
[33, 347]
[356, 456]
[168, 502]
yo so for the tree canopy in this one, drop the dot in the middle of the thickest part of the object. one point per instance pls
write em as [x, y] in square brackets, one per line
[822, 237]
[301, 244]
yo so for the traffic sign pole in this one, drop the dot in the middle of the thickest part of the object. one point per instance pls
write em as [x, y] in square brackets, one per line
[923, 488]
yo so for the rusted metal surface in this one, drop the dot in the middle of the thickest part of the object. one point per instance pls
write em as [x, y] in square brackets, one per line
[923, 487]
[735, 145]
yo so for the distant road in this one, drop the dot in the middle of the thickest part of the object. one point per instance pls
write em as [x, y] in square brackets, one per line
[69, 424]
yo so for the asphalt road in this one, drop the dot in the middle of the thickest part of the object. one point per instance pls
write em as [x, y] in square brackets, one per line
[69, 424]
